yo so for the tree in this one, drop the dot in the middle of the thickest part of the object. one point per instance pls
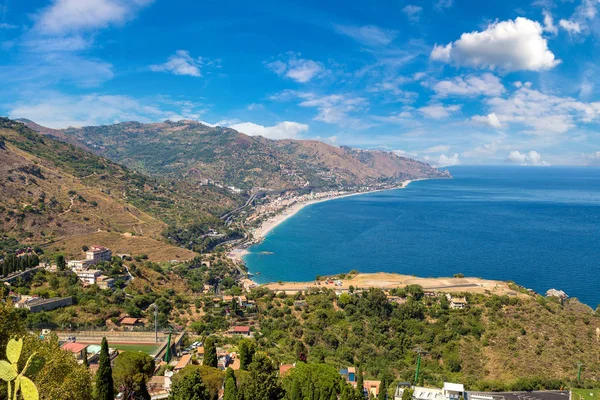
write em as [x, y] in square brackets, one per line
[190, 387]
[210, 353]
[231, 392]
[263, 383]
[296, 392]
[131, 372]
[383, 389]
[319, 379]
[104, 379]
[407, 394]
[246, 348]
[212, 377]
[61, 264]
[360, 381]
[85, 359]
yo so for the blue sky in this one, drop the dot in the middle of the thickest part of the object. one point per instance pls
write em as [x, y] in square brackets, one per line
[446, 81]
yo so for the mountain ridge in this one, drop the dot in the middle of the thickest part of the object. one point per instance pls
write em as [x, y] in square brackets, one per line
[198, 152]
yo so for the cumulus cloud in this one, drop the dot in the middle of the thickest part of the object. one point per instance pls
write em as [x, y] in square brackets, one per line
[61, 111]
[335, 108]
[507, 45]
[490, 119]
[543, 114]
[297, 69]
[67, 16]
[470, 86]
[180, 63]
[570, 26]
[413, 12]
[282, 130]
[368, 35]
[531, 158]
[443, 160]
[439, 111]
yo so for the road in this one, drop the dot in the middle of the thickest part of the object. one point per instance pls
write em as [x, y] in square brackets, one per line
[10, 278]
[227, 216]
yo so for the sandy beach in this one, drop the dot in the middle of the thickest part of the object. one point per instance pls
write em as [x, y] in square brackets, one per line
[384, 280]
[268, 225]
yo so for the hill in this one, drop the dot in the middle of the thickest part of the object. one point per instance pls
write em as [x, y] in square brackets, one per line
[54, 191]
[199, 153]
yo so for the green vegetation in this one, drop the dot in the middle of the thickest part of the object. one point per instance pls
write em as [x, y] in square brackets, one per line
[131, 372]
[104, 379]
[585, 394]
[190, 387]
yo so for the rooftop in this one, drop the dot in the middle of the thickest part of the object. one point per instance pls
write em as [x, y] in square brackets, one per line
[74, 347]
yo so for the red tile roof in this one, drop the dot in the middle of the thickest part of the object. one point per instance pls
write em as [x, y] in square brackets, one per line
[284, 368]
[129, 321]
[74, 347]
[241, 329]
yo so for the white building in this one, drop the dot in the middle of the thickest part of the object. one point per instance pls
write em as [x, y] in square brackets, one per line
[450, 391]
[457, 303]
[88, 276]
[97, 254]
[79, 264]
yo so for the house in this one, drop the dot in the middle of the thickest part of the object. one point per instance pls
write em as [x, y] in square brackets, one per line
[38, 305]
[78, 349]
[241, 330]
[183, 361]
[395, 299]
[450, 391]
[159, 387]
[284, 369]
[349, 374]
[97, 254]
[89, 276]
[223, 359]
[104, 282]
[130, 322]
[457, 303]
[79, 264]
[372, 388]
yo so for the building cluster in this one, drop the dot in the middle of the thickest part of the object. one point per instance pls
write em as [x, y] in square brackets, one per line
[450, 391]
[89, 276]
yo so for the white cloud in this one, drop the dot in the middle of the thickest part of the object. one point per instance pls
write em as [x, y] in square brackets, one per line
[61, 111]
[570, 26]
[443, 160]
[531, 158]
[67, 16]
[180, 63]
[4, 25]
[282, 130]
[490, 119]
[470, 86]
[413, 12]
[592, 158]
[297, 69]
[441, 4]
[368, 35]
[549, 23]
[335, 108]
[583, 19]
[543, 114]
[507, 45]
[439, 111]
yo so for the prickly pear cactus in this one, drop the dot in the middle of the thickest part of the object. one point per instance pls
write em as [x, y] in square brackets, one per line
[9, 372]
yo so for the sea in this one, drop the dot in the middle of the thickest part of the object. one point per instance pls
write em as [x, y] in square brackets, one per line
[536, 226]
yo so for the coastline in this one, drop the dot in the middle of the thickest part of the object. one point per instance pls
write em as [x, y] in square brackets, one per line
[237, 253]
[271, 223]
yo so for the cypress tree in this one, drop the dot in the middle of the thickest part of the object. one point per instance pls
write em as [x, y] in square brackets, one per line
[383, 389]
[246, 349]
[104, 378]
[210, 353]
[231, 392]
[85, 358]
[360, 382]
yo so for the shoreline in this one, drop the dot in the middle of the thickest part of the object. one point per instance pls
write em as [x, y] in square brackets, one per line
[237, 253]
[271, 223]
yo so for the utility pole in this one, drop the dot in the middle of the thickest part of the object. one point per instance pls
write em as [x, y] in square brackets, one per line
[579, 365]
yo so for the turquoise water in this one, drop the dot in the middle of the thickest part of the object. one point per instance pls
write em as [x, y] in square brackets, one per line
[539, 227]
